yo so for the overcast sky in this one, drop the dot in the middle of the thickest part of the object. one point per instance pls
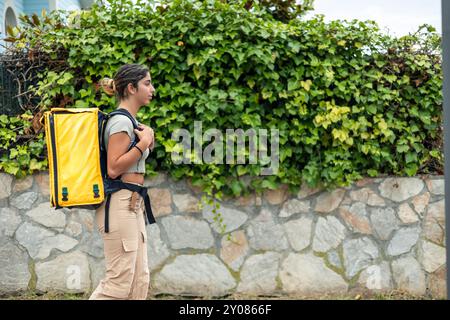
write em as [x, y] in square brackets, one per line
[400, 17]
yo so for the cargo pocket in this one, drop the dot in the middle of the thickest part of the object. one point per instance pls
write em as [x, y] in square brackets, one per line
[129, 245]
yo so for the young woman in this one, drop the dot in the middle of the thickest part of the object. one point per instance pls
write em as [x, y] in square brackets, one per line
[127, 275]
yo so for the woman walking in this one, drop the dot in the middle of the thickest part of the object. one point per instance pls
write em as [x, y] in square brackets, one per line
[125, 243]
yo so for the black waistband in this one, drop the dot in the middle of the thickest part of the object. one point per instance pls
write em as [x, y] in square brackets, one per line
[112, 186]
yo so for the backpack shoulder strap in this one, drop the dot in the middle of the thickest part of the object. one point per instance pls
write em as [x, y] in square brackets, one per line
[133, 121]
[125, 113]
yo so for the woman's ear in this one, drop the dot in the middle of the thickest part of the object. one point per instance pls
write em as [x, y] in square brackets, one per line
[131, 89]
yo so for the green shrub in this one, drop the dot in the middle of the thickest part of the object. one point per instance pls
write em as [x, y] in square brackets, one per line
[348, 100]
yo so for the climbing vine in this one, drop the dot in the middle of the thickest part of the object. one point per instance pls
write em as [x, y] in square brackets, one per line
[348, 100]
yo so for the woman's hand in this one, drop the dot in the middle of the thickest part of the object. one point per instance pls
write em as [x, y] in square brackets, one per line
[152, 144]
[146, 135]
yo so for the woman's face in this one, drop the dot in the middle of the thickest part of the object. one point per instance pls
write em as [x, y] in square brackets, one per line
[145, 90]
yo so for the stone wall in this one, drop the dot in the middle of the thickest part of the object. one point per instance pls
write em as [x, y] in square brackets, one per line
[379, 234]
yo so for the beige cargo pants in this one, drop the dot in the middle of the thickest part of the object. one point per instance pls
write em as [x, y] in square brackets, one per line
[125, 246]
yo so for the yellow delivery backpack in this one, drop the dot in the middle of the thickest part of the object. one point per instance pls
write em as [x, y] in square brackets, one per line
[77, 160]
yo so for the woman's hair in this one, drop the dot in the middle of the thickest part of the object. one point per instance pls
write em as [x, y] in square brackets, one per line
[129, 73]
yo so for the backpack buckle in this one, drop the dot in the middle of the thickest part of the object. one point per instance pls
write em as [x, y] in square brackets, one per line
[96, 191]
[65, 193]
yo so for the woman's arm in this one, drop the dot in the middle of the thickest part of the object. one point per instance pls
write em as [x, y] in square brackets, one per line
[118, 159]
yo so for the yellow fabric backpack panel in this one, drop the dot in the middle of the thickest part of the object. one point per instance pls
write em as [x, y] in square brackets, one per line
[75, 173]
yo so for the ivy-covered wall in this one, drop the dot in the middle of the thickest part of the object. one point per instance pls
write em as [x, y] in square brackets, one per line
[348, 101]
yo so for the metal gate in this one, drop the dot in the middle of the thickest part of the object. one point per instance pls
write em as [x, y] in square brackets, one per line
[9, 100]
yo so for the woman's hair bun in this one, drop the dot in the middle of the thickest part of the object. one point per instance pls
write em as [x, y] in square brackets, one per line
[108, 85]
